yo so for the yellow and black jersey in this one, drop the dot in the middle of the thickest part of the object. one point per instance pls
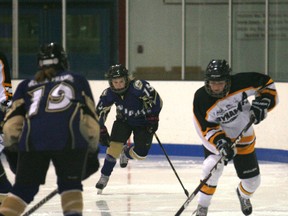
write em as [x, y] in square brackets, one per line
[215, 118]
[5, 80]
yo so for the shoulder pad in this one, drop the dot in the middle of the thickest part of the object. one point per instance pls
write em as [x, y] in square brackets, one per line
[104, 93]
[138, 84]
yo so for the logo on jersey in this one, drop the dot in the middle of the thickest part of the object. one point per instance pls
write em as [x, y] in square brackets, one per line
[228, 116]
[129, 113]
[227, 111]
[138, 84]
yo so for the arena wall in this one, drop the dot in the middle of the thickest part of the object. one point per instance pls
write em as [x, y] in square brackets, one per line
[176, 130]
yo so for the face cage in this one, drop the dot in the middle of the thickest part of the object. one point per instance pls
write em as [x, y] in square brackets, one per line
[219, 95]
[119, 91]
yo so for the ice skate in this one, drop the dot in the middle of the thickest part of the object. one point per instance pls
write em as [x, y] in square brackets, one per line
[201, 211]
[123, 158]
[101, 184]
[246, 205]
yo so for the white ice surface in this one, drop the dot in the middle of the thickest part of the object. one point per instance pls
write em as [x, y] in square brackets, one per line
[150, 187]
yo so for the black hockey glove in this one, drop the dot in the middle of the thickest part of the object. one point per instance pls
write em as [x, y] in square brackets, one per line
[259, 109]
[104, 137]
[152, 123]
[226, 149]
[5, 105]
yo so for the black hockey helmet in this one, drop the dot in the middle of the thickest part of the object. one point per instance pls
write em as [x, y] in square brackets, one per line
[118, 71]
[218, 70]
[52, 54]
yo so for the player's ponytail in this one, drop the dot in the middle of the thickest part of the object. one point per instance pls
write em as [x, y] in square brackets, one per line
[45, 73]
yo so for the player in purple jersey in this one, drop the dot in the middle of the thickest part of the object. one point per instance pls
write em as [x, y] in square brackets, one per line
[137, 110]
[52, 119]
[221, 110]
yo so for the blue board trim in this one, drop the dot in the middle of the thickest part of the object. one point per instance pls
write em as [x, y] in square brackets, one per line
[274, 155]
[264, 154]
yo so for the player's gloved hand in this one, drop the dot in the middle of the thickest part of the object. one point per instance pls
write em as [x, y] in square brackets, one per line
[225, 147]
[259, 109]
[152, 123]
[5, 105]
[104, 137]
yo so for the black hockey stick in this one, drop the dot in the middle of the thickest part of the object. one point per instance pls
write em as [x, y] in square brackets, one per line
[203, 182]
[186, 192]
[40, 203]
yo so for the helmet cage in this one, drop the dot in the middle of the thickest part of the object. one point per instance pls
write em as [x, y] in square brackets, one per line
[218, 70]
[115, 72]
[221, 94]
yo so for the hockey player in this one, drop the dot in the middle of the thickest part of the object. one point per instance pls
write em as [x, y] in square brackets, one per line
[137, 106]
[52, 118]
[221, 109]
[5, 103]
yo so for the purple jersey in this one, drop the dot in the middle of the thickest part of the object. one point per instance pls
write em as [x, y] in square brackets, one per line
[52, 112]
[133, 106]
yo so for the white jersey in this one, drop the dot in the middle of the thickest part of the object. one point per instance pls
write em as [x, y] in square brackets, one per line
[215, 118]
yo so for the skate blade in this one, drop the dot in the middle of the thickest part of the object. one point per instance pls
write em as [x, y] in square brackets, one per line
[193, 213]
[99, 191]
[123, 165]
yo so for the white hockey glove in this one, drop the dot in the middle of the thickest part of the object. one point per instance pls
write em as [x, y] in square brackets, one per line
[259, 109]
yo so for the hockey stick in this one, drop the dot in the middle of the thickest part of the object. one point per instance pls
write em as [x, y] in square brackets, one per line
[186, 192]
[203, 182]
[40, 203]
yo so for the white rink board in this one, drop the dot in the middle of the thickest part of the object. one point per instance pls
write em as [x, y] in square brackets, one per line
[176, 126]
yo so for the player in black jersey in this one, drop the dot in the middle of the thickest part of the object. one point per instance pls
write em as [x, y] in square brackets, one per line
[221, 110]
[52, 119]
[137, 106]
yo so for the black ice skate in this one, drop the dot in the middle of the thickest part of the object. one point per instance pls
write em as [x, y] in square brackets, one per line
[123, 158]
[246, 205]
[201, 211]
[101, 184]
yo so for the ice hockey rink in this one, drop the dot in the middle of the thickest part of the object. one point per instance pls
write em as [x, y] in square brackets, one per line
[151, 187]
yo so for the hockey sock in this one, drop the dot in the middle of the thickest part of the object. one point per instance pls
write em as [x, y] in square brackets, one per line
[12, 206]
[72, 202]
[108, 166]
[5, 185]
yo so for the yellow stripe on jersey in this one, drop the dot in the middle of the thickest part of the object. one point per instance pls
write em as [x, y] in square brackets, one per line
[246, 140]
[241, 150]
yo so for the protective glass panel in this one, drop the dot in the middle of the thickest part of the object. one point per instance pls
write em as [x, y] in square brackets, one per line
[154, 40]
[278, 40]
[248, 36]
[206, 35]
[83, 33]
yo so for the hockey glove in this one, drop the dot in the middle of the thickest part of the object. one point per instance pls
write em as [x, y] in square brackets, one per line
[104, 137]
[259, 109]
[226, 149]
[5, 105]
[152, 123]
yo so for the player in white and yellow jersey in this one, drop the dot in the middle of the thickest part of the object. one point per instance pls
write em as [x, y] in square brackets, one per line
[221, 110]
